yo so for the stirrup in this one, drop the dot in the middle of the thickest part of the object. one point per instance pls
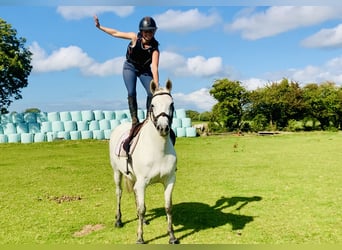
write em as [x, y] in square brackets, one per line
[128, 161]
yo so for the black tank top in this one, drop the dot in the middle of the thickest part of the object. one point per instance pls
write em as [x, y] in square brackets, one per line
[138, 55]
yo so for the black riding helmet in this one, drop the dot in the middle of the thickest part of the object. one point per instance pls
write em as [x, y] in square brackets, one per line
[147, 23]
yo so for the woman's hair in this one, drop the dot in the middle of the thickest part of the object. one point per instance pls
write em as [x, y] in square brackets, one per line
[154, 42]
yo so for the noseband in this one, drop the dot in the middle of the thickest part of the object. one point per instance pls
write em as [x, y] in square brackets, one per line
[155, 117]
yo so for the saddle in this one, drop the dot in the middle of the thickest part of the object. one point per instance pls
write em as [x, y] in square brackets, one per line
[128, 141]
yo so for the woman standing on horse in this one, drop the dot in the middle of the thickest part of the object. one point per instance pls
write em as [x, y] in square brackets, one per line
[142, 61]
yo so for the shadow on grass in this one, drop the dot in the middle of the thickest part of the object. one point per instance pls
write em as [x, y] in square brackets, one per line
[196, 216]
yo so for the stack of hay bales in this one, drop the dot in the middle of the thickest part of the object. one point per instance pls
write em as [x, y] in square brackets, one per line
[76, 125]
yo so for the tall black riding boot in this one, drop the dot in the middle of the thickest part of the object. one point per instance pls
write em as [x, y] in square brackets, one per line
[133, 109]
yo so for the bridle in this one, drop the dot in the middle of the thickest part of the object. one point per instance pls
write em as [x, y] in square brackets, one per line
[154, 117]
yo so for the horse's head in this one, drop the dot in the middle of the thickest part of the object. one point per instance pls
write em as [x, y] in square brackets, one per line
[161, 109]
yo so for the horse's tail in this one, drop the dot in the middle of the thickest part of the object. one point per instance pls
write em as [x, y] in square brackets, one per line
[129, 183]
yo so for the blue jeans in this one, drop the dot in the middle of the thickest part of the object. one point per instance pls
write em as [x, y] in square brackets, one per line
[131, 73]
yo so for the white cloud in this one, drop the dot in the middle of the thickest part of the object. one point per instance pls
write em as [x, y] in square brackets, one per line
[79, 12]
[199, 100]
[329, 71]
[170, 60]
[194, 66]
[109, 67]
[61, 59]
[318, 74]
[178, 21]
[325, 38]
[253, 83]
[278, 19]
[72, 57]
[201, 66]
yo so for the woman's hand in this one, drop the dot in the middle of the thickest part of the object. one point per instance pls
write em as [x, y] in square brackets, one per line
[97, 22]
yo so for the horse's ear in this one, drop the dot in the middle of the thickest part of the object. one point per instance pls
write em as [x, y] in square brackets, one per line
[153, 86]
[169, 85]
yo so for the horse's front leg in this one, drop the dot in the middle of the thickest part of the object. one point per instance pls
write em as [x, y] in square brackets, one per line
[139, 190]
[168, 210]
[118, 190]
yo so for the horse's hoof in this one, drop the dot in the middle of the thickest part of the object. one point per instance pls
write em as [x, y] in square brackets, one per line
[118, 224]
[140, 241]
[174, 241]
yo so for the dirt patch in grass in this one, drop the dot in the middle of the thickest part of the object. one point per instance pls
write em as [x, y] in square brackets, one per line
[87, 229]
[65, 198]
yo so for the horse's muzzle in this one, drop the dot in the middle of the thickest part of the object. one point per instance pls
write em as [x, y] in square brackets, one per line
[163, 130]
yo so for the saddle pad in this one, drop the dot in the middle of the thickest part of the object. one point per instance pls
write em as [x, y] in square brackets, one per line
[119, 150]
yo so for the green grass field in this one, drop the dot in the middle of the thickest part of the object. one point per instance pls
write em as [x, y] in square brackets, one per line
[230, 189]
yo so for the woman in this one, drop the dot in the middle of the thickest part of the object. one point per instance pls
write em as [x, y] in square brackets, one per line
[142, 60]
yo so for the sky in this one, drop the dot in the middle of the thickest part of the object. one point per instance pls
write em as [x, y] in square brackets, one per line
[78, 67]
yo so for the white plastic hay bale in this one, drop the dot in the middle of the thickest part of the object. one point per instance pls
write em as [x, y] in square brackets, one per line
[34, 127]
[98, 134]
[63, 135]
[6, 118]
[26, 137]
[141, 115]
[109, 115]
[39, 137]
[57, 126]
[87, 134]
[87, 115]
[51, 136]
[191, 132]
[30, 117]
[174, 128]
[42, 117]
[76, 116]
[114, 124]
[94, 125]
[176, 123]
[120, 114]
[186, 122]
[70, 126]
[181, 132]
[107, 133]
[46, 127]
[82, 125]
[9, 128]
[98, 115]
[22, 128]
[18, 118]
[75, 135]
[127, 113]
[65, 116]
[53, 116]
[13, 138]
[180, 113]
[104, 124]
[125, 120]
[3, 138]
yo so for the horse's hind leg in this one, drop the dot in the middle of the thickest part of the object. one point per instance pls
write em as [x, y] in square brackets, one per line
[168, 210]
[118, 191]
[139, 190]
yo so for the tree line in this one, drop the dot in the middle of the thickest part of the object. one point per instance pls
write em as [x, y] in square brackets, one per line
[284, 105]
